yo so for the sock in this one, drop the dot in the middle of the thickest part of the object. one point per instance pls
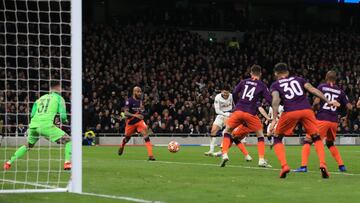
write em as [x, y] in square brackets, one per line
[226, 143]
[241, 146]
[279, 149]
[212, 144]
[18, 154]
[319, 147]
[261, 147]
[124, 141]
[305, 153]
[148, 146]
[243, 149]
[335, 153]
[68, 149]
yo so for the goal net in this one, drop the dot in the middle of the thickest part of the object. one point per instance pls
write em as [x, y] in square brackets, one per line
[36, 49]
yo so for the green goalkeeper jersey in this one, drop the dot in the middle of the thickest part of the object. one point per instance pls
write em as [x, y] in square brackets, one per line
[46, 108]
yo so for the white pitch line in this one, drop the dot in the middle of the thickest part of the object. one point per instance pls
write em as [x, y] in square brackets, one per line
[27, 183]
[131, 199]
[246, 167]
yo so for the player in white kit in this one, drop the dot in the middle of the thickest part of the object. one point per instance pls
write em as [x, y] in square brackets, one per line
[271, 114]
[223, 105]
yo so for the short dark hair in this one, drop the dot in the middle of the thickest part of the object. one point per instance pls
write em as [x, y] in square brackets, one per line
[255, 69]
[331, 75]
[281, 68]
[225, 87]
[54, 83]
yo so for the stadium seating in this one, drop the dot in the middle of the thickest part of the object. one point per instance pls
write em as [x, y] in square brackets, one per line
[180, 73]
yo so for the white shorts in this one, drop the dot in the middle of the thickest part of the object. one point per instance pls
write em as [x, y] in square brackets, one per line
[220, 121]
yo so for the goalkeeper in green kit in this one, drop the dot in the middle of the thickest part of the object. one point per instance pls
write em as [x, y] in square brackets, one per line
[43, 113]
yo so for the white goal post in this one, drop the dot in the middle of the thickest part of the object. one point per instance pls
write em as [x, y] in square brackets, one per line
[41, 42]
[76, 95]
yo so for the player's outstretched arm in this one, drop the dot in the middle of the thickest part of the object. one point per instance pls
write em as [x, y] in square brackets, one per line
[139, 116]
[275, 106]
[263, 113]
[316, 104]
[319, 94]
[275, 103]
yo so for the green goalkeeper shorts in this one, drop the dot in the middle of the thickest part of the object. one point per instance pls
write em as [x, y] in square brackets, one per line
[51, 133]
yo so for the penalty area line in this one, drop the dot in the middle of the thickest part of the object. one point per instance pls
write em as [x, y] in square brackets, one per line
[245, 167]
[131, 199]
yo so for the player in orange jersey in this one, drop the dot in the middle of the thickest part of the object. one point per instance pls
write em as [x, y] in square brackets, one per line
[135, 122]
[291, 92]
[327, 121]
[246, 95]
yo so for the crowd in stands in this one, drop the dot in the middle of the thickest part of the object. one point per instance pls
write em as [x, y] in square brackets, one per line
[212, 16]
[29, 62]
[180, 73]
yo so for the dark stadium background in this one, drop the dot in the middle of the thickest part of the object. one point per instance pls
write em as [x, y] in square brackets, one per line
[155, 44]
[178, 53]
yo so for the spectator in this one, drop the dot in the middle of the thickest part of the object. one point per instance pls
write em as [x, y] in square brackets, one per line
[21, 129]
[180, 72]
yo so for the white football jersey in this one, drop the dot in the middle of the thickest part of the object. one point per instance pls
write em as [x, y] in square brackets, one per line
[223, 106]
[281, 110]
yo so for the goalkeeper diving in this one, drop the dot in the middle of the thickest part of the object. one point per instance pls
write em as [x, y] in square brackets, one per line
[43, 113]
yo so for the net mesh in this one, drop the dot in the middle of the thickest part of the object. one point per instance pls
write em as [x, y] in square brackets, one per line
[35, 50]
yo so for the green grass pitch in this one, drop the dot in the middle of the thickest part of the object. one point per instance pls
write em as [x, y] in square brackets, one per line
[189, 176]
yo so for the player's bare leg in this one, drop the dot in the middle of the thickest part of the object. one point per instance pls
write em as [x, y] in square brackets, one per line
[125, 140]
[66, 140]
[18, 154]
[148, 145]
[226, 145]
[261, 149]
[215, 128]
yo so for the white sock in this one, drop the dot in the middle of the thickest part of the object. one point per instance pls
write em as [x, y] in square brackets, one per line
[212, 144]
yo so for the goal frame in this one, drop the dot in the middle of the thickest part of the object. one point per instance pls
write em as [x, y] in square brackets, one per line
[75, 182]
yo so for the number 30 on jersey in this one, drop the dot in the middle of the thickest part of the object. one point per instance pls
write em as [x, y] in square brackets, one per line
[291, 89]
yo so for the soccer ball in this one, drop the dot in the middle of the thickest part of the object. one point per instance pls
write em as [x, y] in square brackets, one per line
[173, 147]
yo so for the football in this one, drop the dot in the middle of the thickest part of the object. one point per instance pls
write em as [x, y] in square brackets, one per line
[173, 147]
